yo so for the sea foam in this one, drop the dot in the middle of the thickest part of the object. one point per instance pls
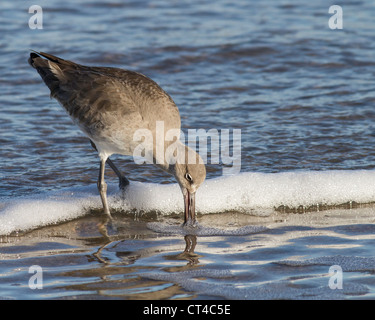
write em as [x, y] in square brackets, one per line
[245, 192]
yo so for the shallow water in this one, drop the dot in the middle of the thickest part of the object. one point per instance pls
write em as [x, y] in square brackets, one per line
[302, 95]
[280, 257]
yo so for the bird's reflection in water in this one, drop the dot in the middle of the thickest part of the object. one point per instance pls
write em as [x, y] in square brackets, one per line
[103, 225]
[188, 254]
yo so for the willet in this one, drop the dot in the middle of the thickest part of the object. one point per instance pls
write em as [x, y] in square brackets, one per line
[109, 105]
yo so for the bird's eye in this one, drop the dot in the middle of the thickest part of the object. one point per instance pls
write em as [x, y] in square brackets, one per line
[188, 177]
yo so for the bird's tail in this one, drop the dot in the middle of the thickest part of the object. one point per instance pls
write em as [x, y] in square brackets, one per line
[50, 68]
[36, 58]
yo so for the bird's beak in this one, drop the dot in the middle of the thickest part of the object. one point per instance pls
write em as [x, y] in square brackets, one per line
[189, 204]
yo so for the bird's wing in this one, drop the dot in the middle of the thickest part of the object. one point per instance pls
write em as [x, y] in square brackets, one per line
[89, 92]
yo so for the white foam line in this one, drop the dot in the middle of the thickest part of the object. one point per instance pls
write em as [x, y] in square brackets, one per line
[261, 190]
[248, 191]
[243, 192]
[30, 212]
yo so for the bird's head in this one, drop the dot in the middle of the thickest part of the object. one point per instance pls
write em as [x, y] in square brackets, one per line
[190, 173]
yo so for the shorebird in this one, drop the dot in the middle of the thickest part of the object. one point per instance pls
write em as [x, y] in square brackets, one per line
[109, 105]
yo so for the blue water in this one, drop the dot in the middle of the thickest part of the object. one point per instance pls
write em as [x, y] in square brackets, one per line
[303, 96]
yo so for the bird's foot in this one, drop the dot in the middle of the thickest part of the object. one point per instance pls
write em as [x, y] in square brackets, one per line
[107, 213]
[123, 183]
[190, 223]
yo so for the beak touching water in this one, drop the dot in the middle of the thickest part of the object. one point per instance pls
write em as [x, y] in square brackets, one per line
[189, 204]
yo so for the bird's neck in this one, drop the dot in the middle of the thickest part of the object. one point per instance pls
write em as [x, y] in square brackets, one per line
[174, 152]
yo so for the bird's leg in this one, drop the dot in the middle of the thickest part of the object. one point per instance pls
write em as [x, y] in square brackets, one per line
[123, 181]
[102, 186]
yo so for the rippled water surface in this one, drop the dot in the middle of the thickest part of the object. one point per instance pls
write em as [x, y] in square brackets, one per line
[302, 94]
